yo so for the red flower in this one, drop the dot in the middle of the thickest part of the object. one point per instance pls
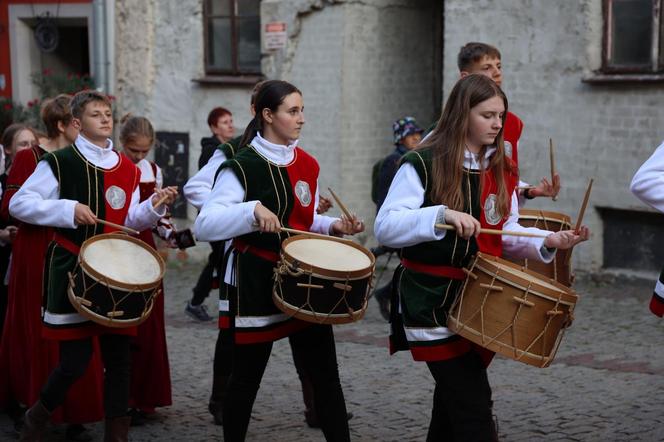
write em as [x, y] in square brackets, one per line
[111, 97]
[8, 106]
[47, 72]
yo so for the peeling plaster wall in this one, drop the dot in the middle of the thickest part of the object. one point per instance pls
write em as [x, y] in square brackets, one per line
[604, 132]
[160, 51]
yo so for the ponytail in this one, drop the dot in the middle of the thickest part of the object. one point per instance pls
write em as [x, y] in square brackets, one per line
[250, 132]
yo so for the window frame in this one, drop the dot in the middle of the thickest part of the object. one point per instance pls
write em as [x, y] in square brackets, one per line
[235, 70]
[656, 65]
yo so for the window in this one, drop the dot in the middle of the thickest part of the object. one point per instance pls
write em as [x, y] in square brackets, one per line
[633, 37]
[232, 37]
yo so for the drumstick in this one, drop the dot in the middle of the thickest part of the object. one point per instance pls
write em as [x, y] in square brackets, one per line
[495, 231]
[163, 198]
[303, 232]
[579, 220]
[341, 205]
[553, 165]
[583, 206]
[118, 226]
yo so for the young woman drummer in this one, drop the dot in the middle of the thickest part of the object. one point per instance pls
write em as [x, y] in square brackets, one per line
[461, 176]
[269, 184]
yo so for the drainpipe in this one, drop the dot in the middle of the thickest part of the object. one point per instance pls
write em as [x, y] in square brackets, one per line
[99, 44]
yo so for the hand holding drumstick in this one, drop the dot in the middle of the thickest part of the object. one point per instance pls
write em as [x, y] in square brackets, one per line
[349, 224]
[166, 195]
[546, 188]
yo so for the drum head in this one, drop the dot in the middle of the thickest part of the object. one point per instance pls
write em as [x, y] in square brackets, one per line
[123, 260]
[328, 254]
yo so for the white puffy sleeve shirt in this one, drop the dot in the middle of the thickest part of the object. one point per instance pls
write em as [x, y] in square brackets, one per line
[199, 186]
[648, 182]
[225, 214]
[38, 200]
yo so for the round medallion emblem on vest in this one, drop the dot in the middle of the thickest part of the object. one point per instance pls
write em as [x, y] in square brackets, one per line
[116, 197]
[303, 193]
[491, 210]
[508, 149]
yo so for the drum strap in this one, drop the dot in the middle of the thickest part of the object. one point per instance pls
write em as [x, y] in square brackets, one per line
[243, 247]
[435, 270]
[66, 244]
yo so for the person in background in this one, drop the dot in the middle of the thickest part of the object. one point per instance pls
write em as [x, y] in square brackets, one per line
[220, 121]
[150, 376]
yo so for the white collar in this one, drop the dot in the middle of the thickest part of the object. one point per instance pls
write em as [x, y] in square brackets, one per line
[276, 153]
[471, 160]
[103, 157]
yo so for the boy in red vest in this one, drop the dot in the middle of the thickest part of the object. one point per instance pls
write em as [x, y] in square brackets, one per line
[481, 58]
[70, 190]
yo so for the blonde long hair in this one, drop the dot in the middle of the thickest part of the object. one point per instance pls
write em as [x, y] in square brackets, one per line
[448, 144]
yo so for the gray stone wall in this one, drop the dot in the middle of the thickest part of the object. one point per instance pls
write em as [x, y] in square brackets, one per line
[604, 132]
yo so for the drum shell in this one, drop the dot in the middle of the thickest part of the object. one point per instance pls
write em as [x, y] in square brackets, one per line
[498, 322]
[92, 293]
[136, 306]
[318, 295]
[560, 269]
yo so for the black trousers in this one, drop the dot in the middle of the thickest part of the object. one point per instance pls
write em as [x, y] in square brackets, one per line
[315, 349]
[74, 359]
[461, 401]
[223, 366]
[204, 283]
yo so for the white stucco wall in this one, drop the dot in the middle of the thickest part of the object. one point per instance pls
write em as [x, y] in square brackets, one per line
[604, 131]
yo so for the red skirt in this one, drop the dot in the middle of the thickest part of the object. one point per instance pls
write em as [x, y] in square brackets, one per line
[150, 371]
[26, 358]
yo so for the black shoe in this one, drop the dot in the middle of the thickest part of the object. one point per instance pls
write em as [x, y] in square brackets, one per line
[137, 417]
[215, 410]
[77, 433]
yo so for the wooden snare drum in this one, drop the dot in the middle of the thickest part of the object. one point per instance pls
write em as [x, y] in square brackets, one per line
[323, 280]
[115, 280]
[560, 269]
[512, 311]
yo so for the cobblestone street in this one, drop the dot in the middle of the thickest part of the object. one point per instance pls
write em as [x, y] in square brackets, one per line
[606, 384]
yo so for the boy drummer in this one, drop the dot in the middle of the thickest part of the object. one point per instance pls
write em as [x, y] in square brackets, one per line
[481, 58]
[70, 190]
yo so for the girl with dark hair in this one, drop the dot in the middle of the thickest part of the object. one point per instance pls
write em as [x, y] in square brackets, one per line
[253, 196]
[150, 371]
[460, 175]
